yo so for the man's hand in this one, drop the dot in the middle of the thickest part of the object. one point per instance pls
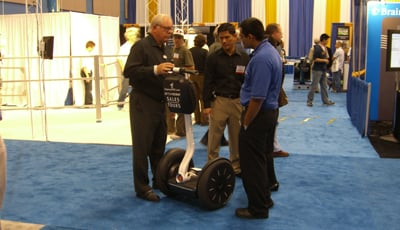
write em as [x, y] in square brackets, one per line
[164, 68]
[207, 112]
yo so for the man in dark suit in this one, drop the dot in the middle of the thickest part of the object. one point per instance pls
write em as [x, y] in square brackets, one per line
[146, 67]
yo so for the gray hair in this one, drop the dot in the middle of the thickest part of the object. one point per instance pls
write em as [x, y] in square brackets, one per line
[158, 20]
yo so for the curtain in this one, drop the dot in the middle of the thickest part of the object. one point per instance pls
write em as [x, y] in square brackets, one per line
[270, 9]
[345, 10]
[221, 11]
[190, 12]
[173, 10]
[164, 6]
[197, 11]
[258, 10]
[22, 60]
[152, 9]
[319, 19]
[238, 10]
[131, 11]
[359, 34]
[109, 44]
[141, 13]
[208, 15]
[23, 34]
[357, 58]
[282, 17]
[301, 20]
[332, 15]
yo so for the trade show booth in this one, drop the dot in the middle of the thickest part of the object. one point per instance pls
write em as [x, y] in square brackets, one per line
[42, 53]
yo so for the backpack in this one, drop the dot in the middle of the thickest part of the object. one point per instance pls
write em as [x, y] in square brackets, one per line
[311, 55]
[304, 66]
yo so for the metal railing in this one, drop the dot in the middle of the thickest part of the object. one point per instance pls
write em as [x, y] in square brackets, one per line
[34, 85]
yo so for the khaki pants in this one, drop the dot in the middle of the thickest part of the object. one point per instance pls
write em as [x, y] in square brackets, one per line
[3, 171]
[225, 112]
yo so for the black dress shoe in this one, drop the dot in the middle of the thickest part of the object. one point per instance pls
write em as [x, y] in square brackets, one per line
[224, 141]
[270, 203]
[274, 187]
[204, 139]
[155, 186]
[244, 213]
[149, 195]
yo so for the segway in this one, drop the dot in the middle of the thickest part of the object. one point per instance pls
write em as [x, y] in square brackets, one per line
[213, 185]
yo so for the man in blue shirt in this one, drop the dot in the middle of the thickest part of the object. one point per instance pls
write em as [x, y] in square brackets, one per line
[259, 96]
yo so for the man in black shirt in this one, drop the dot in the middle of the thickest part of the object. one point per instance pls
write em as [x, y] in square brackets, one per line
[199, 57]
[319, 69]
[146, 67]
[224, 75]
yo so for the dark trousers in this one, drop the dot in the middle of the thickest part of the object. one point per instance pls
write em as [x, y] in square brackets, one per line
[88, 93]
[199, 117]
[123, 92]
[147, 118]
[176, 125]
[256, 144]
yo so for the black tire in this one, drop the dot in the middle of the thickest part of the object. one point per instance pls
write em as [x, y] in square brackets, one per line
[216, 183]
[168, 168]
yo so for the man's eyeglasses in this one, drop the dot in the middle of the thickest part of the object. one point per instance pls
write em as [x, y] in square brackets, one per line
[165, 28]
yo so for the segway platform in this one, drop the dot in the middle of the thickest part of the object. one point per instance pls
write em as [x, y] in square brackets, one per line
[213, 184]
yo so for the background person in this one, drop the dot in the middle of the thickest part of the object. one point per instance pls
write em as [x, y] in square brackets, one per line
[311, 60]
[146, 67]
[3, 170]
[132, 34]
[199, 57]
[337, 67]
[319, 69]
[182, 57]
[274, 35]
[216, 45]
[87, 68]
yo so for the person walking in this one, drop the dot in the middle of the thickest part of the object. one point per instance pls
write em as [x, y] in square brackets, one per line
[319, 69]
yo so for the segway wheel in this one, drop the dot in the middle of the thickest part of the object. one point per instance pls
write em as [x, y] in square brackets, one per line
[168, 168]
[216, 183]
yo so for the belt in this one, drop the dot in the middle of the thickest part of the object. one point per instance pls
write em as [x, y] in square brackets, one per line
[227, 95]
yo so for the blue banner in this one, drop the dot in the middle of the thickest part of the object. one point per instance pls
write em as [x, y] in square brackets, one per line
[381, 18]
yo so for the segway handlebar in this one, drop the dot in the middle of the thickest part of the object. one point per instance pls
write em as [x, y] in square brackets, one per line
[182, 70]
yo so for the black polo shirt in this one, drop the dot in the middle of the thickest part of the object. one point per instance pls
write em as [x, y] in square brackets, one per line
[224, 75]
[139, 67]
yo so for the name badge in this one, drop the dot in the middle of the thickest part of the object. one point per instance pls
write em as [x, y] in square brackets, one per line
[176, 55]
[240, 69]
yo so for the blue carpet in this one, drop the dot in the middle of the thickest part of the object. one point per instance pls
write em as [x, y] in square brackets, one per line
[333, 179]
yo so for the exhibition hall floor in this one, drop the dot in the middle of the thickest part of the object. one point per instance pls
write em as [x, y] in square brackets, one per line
[79, 171]
[75, 125]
